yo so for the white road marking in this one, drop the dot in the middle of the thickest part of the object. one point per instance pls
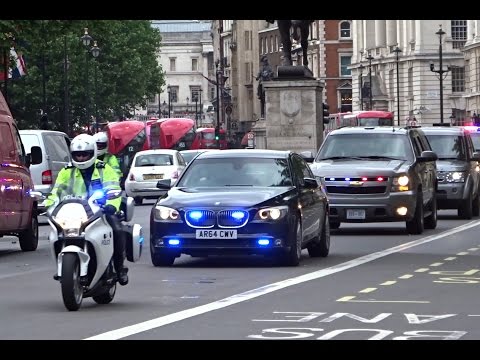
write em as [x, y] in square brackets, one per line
[463, 253]
[251, 294]
[367, 290]
[450, 258]
[436, 264]
[422, 270]
[406, 276]
[391, 282]
[473, 249]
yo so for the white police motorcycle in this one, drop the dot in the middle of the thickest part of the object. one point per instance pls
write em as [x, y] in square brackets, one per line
[81, 242]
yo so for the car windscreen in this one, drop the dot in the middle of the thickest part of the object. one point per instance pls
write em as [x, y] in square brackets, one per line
[368, 145]
[476, 141]
[375, 121]
[236, 171]
[447, 146]
[154, 160]
[188, 156]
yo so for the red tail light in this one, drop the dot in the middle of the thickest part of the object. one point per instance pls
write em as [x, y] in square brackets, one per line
[131, 178]
[47, 178]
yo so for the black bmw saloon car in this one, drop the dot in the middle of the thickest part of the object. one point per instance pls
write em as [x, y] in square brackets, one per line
[234, 202]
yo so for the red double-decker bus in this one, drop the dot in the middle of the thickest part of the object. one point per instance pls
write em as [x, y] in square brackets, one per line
[205, 139]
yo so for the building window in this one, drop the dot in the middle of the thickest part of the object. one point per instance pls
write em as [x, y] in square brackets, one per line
[248, 72]
[345, 28]
[410, 82]
[173, 94]
[345, 61]
[211, 93]
[345, 100]
[271, 44]
[194, 64]
[248, 45]
[458, 79]
[262, 46]
[172, 64]
[276, 43]
[195, 93]
[459, 33]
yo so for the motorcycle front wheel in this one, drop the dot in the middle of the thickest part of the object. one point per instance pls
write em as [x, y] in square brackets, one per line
[72, 290]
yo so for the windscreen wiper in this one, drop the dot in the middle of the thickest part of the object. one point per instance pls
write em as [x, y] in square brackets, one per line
[340, 157]
[380, 157]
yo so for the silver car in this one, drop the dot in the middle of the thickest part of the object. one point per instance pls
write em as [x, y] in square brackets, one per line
[379, 174]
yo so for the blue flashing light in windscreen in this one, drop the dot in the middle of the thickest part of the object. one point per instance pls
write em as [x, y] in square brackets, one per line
[263, 242]
[173, 242]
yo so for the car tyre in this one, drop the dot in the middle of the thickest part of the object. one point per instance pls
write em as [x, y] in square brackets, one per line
[415, 226]
[138, 200]
[159, 259]
[292, 257]
[431, 220]
[320, 246]
[28, 238]
[476, 205]
[465, 210]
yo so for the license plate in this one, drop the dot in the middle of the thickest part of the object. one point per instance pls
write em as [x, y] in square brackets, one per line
[152, 176]
[216, 234]
[356, 214]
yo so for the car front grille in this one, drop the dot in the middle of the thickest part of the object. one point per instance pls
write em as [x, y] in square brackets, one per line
[202, 218]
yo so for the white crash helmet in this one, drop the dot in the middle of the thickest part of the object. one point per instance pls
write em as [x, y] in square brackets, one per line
[101, 139]
[84, 151]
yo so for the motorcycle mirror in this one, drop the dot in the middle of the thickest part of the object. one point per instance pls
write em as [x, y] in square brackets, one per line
[113, 194]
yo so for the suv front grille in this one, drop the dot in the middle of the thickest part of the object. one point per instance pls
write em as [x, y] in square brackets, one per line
[356, 190]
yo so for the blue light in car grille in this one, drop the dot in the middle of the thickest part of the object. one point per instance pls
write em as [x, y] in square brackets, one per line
[200, 218]
[263, 242]
[232, 218]
[174, 242]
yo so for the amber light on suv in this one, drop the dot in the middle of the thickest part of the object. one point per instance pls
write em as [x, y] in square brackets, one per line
[400, 183]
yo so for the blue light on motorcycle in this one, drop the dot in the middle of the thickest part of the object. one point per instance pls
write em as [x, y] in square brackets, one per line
[98, 194]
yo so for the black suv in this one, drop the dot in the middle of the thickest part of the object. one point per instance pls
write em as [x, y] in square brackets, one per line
[458, 170]
[379, 174]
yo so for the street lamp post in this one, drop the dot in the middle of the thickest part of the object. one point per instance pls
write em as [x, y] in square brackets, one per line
[370, 58]
[196, 110]
[397, 50]
[86, 39]
[169, 91]
[440, 71]
[218, 96]
[201, 107]
[361, 67]
[95, 50]
[186, 107]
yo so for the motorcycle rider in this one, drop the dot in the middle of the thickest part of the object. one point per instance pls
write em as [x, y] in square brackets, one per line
[87, 172]
[101, 139]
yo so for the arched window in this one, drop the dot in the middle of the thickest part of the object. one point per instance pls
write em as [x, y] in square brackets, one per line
[345, 30]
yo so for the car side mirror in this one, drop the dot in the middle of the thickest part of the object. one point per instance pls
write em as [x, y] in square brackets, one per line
[309, 183]
[164, 184]
[476, 156]
[308, 156]
[428, 155]
[35, 156]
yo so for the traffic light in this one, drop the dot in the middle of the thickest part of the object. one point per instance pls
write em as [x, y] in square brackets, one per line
[326, 113]
[217, 134]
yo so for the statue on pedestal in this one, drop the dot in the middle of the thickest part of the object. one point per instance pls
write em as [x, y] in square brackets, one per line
[265, 73]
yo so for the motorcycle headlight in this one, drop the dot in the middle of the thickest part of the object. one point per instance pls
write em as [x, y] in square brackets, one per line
[400, 183]
[164, 213]
[70, 218]
[272, 213]
[455, 177]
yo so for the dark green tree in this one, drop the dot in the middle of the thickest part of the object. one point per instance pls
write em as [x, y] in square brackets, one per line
[128, 72]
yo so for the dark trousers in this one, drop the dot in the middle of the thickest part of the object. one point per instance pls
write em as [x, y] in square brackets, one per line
[119, 239]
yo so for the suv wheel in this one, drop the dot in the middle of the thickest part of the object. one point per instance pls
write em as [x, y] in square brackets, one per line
[476, 206]
[28, 238]
[416, 225]
[431, 220]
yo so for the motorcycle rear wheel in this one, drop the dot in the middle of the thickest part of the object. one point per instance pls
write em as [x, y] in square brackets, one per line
[72, 290]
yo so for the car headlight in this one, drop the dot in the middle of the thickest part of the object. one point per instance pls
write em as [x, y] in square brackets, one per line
[164, 213]
[455, 177]
[272, 213]
[401, 183]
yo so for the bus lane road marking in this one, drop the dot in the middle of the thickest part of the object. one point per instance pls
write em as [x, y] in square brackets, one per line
[269, 288]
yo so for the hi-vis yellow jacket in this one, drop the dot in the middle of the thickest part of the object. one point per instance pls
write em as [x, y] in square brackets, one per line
[70, 182]
[112, 160]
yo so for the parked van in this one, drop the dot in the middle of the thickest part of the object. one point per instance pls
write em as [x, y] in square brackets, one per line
[18, 204]
[55, 146]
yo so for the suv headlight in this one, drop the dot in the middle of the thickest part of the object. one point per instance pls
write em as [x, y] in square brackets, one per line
[272, 213]
[164, 213]
[455, 177]
[401, 183]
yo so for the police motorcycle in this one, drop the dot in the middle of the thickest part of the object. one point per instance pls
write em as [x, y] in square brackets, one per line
[81, 242]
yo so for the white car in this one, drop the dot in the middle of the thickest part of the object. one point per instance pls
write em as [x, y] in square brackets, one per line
[147, 168]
